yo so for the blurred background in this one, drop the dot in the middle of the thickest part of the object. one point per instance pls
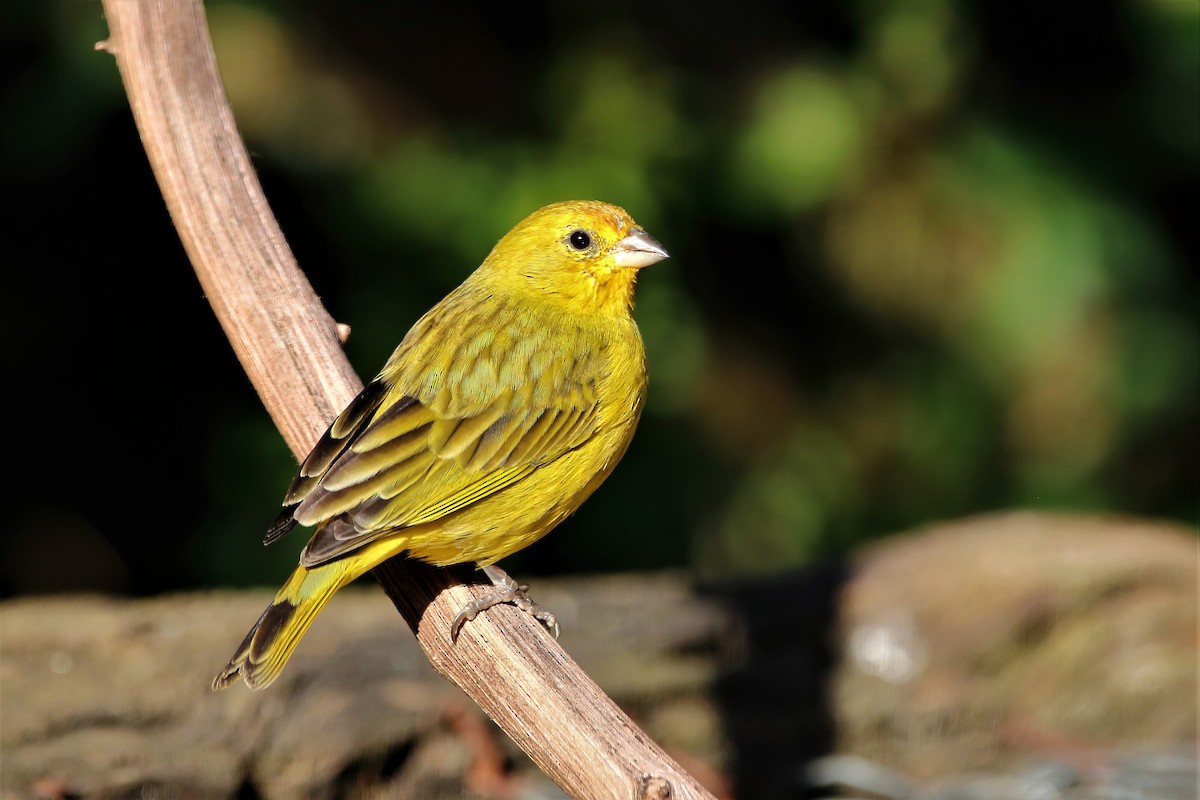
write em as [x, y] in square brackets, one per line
[928, 259]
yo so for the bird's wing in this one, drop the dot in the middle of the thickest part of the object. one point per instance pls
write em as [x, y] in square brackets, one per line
[353, 419]
[388, 464]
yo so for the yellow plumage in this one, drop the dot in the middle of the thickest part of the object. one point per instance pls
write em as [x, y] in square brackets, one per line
[500, 412]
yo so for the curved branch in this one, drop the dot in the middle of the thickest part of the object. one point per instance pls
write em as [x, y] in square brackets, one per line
[289, 347]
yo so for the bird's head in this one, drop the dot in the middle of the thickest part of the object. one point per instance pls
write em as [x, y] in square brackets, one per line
[583, 254]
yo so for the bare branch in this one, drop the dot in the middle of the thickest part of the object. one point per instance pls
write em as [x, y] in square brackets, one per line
[289, 347]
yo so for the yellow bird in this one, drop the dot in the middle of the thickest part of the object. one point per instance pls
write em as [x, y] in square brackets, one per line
[500, 412]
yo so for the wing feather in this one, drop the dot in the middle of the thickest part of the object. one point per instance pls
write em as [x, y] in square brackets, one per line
[488, 484]
[340, 434]
[404, 416]
[467, 435]
[323, 504]
[526, 448]
[490, 450]
[364, 465]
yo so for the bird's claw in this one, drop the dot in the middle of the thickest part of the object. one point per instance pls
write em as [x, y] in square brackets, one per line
[505, 590]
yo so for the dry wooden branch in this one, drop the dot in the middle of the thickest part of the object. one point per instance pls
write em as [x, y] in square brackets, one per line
[289, 347]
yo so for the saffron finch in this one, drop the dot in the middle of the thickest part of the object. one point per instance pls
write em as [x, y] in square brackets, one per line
[500, 412]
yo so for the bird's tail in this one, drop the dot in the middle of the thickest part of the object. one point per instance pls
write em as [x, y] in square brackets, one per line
[270, 643]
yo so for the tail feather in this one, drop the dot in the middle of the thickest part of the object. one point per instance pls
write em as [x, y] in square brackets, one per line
[262, 654]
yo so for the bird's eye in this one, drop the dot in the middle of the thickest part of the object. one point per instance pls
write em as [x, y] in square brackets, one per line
[580, 240]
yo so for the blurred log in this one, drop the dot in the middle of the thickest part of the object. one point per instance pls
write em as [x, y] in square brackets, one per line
[110, 698]
[987, 640]
[976, 644]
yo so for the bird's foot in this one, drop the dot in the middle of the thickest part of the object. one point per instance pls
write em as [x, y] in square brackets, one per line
[505, 590]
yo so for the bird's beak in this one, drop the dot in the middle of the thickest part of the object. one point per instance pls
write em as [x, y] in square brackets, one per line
[638, 249]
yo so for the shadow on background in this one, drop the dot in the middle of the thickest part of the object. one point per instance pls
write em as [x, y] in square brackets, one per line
[775, 698]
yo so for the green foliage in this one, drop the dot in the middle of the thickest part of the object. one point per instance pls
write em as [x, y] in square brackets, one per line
[916, 273]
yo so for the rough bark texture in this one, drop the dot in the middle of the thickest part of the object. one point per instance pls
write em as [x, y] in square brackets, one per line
[973, 645]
